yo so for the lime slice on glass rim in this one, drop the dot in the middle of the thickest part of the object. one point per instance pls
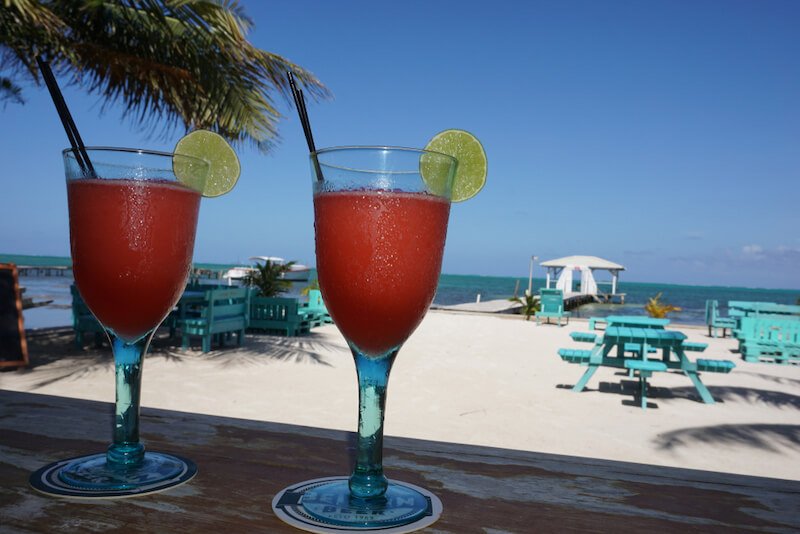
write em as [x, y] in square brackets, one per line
[472, 164]
[224, 168]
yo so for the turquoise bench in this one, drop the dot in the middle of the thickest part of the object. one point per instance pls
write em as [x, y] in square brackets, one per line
[716, 321]
[584, 337]
[279, 315]
[691, 346]
[315, 309]
[217, 314]
[645, 369]
[594, 320]
[636, 348]
[715, 366]
[83, 321]
[769, 338]
[575, 355]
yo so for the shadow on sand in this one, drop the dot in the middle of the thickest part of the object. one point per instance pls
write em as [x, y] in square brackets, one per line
[261, 348]
[782, 380]
[757, 436]
[54, 357]
[721, 394]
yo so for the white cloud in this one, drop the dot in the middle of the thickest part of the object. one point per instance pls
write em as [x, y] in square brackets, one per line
[755, 252]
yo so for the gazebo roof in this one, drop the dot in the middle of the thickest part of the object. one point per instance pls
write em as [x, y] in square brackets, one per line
[592, 262]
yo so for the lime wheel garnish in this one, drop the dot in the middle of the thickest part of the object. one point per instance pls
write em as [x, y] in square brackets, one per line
[223, 164]
[472, 166]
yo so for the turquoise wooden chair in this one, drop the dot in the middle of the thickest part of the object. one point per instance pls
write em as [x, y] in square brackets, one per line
[219, 313]
[551, 306]
[714, 320]
[83, 321]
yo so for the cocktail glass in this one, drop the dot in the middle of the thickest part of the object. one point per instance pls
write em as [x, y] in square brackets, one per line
[380, 228]
[132, 229]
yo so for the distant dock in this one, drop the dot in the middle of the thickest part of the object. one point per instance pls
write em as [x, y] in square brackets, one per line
[44, 270]
[66, 270]
[489, 306]
[571, 301]
[574, 300]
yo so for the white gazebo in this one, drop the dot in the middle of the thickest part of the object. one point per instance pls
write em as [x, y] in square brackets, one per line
[560, 271]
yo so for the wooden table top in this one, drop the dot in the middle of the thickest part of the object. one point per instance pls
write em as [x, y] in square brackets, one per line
[243, 464]
[635, 320]
[620, 334]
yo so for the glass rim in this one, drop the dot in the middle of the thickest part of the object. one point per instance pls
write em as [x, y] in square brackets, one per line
[381, 147]
[142, 151]
[374, 148]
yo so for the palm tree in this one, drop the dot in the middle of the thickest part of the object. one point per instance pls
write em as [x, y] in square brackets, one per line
[169, 62]
[268, 278]
[530, 305]
[656, 308]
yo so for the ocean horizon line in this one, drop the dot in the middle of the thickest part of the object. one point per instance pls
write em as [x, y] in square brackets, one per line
[47, 260]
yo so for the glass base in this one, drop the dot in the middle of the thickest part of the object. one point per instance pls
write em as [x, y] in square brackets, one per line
[92, 476]
[332, 503]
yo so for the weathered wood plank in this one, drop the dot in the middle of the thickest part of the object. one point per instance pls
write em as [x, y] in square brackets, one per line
[243, 464]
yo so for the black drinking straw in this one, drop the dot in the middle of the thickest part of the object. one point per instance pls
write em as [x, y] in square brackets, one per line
[81, 156]
[300, 104]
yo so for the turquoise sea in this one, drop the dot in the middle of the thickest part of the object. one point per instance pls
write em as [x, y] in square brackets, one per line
[453, 289]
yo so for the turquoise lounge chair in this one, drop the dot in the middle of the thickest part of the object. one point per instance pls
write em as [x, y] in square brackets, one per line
[552, 306]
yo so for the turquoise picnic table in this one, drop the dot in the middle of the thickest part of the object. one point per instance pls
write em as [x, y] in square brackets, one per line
[671, 343]
[741, 308]
[629, 320]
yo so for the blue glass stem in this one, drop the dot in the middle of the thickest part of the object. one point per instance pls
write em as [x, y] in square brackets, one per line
[367, 480]
[126, 450]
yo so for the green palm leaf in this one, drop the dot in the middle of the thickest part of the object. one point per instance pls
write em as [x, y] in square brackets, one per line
[268, 278]
[169, 63]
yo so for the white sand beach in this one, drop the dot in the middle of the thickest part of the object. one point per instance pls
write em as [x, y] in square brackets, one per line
[468, 378]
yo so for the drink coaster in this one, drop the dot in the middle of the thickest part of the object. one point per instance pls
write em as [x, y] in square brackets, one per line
[288, 508]
[47, 481]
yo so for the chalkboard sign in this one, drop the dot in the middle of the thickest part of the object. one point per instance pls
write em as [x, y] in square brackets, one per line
[13, 348]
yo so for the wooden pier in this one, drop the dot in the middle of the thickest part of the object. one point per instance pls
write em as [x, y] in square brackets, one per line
[573, 300]
[44, 270]
[487, 306]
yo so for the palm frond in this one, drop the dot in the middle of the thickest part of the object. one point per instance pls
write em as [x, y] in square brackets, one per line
[268, 278]
[170, 63]
[10, 92]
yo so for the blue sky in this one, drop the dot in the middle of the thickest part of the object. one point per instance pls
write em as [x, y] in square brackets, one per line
[662, 135]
